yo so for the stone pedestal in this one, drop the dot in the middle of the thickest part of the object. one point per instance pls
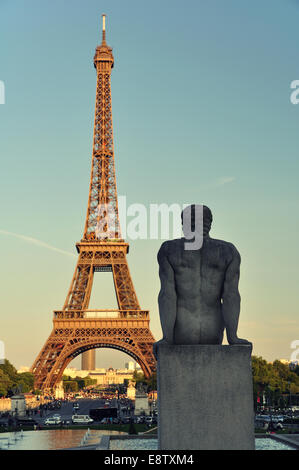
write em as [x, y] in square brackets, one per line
[141, 403]
[205, 397]
[18, 405]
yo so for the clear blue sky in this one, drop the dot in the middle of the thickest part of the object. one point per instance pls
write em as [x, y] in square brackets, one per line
[201, 113]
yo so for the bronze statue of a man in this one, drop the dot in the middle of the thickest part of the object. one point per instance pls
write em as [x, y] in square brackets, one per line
[199, 294]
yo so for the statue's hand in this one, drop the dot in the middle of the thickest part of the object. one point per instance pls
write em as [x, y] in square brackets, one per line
[236, 340]
[155, 346]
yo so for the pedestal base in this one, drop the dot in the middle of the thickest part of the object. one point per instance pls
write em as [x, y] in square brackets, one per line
[141, 404]
[205, 397]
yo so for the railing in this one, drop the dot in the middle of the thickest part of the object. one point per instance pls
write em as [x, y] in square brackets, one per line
[107, 314]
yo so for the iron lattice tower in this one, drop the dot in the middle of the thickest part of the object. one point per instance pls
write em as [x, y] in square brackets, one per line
[77, 330]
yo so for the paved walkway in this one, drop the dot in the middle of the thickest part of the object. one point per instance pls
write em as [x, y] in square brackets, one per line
[291, 439]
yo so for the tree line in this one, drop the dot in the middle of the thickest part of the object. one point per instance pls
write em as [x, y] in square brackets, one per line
[75, 384]
[276, 383]
[10, 380]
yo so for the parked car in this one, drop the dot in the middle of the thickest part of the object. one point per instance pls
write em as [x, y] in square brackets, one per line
[56, 416]
[81, 419]
[265, 418]
[52, 421]
[278, 418]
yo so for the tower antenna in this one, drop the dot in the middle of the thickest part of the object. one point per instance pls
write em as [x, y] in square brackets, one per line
[104, 29]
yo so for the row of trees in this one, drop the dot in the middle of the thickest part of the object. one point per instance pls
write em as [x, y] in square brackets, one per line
[274, 381]
[10, 380]
[75, 384]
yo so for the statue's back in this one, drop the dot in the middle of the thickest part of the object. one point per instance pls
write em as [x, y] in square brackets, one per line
[199, 278]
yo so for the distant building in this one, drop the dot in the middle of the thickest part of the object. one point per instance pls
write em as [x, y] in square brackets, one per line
[111, 376]
[73, 372]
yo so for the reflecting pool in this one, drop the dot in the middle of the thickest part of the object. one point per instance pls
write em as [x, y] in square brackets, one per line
[68, 438]
[51, 439]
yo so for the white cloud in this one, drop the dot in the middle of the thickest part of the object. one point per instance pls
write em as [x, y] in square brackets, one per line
[35, 241]
[224, 180]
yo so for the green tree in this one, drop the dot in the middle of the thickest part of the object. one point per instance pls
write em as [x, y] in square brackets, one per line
[26, 380]
[138, 377]
[9, 370]
[152, 382]
[5, 383]
[274, 381]
[8, 378]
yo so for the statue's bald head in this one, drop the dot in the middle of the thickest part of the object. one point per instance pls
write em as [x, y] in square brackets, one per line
[189, 222]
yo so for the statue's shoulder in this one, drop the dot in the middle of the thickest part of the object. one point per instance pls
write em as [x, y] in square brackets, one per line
[170, 246]
[227, 249]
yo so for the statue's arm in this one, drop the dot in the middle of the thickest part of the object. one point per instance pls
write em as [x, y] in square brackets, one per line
[231, 300]
[167, 297]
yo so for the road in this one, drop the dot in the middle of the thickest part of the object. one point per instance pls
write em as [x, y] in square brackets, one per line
[66, 411]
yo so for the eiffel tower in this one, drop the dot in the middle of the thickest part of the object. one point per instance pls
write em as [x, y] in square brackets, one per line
[77, 330]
